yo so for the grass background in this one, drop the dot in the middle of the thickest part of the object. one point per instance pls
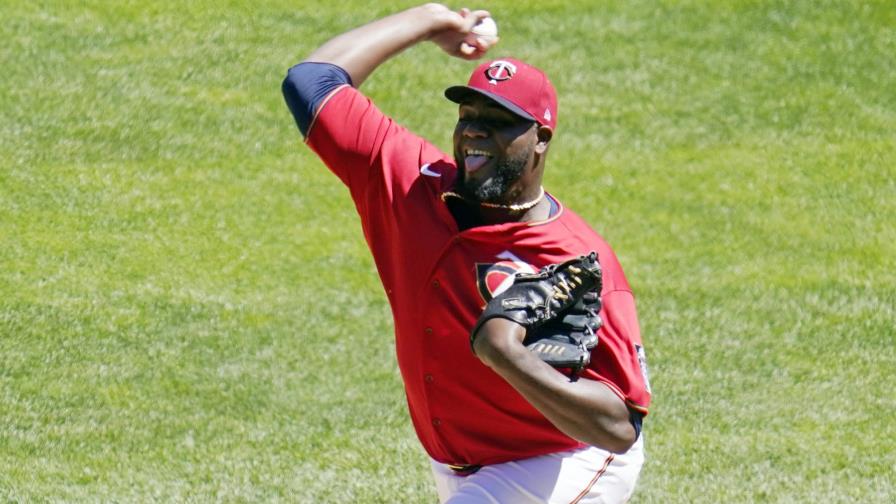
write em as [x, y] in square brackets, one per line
[188, 311]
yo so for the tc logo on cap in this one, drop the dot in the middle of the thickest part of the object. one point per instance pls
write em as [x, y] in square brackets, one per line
[500, 70]
[513, 84]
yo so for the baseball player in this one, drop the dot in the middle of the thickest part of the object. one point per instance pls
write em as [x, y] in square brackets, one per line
[451, 232]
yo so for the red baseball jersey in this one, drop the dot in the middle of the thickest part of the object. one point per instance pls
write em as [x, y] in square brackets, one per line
[438, 279]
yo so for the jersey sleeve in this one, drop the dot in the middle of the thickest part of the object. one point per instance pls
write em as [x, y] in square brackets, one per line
[619, 360]
[357, 142]
[307, 85]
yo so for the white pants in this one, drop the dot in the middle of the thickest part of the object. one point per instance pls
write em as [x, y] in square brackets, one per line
[588, 475]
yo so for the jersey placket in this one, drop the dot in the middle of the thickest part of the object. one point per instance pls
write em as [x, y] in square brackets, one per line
[436, 293]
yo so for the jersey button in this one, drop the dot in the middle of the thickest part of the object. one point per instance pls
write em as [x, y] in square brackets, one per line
[429, 378]
[428, 330]
[435, 283]
[436, 422]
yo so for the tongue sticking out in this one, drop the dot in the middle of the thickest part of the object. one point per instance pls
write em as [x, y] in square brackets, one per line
[473, 163]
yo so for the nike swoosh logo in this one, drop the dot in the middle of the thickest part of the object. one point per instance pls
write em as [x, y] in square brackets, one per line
[429, 173]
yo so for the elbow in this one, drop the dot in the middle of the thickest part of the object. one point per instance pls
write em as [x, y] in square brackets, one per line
[623, 432]
[290, 86]
[616, 437]
[298, 90]
[622, 442]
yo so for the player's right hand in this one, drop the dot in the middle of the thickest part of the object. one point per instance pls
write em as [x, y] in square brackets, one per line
[453, 31]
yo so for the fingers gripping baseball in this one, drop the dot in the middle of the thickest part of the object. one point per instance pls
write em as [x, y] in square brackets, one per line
[482, 35]
[455, 33]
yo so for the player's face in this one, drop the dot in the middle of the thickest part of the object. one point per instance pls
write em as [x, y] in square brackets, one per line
[494, 149]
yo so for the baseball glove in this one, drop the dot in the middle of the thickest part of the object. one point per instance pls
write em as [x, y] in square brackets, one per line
[558, 306]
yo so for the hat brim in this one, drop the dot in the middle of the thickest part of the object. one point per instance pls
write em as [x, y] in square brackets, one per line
[459, 94]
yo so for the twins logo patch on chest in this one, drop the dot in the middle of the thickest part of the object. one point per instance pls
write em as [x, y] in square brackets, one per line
[494, 278]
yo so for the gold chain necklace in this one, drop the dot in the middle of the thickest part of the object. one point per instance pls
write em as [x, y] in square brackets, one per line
[517, 207]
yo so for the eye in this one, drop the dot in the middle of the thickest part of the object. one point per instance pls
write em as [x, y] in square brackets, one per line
[496, 121]
[466, 116]
[501, 121]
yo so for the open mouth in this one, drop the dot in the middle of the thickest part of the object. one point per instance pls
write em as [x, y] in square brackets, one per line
[475, 159]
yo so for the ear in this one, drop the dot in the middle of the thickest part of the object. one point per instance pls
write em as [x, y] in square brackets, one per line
[545, 133]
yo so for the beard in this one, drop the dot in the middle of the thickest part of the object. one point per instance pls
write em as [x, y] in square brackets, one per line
[493, 189]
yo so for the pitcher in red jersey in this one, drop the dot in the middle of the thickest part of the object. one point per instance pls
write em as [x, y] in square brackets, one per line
[447, 232]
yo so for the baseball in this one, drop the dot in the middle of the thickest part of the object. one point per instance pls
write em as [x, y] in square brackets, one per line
[487, 29]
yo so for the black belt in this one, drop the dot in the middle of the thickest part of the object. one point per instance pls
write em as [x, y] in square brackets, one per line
[464, 469]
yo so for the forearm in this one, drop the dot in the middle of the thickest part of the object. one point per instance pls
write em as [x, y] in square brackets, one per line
[585, 410]
[361, 50]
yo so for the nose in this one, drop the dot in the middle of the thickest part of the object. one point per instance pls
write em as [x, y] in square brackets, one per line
[472, 129]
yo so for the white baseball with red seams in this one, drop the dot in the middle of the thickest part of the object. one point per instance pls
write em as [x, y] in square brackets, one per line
[487, 29]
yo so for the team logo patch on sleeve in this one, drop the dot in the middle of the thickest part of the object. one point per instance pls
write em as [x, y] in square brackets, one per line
[642, 361]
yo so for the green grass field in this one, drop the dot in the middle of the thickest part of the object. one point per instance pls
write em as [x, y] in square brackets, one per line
[188, 311]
